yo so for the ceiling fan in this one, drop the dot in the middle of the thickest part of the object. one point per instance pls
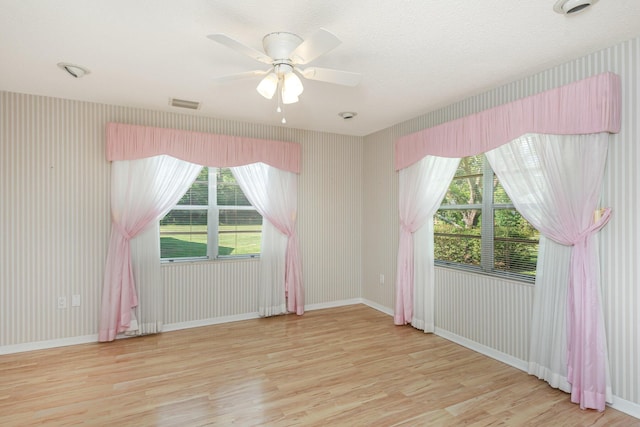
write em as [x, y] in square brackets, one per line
[285, 53]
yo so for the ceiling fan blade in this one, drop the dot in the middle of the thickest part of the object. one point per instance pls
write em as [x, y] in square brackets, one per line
[345, 78]
[240, 47]
[322, 41]
[238, 76]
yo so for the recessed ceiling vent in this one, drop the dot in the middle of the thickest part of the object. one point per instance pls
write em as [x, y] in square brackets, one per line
[346, 115]
[182, 103]
[74, 71]
[569, 7]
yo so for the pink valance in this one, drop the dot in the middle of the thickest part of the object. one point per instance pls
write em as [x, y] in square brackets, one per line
[587, 106]
[129, 142]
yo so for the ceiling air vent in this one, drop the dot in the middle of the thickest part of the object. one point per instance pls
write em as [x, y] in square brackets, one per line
[181, 103]
[75, 71]
[567, 7]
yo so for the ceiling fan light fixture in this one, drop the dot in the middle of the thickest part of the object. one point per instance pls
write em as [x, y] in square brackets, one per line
[268, 86]
[285, 52]
[282, 69]
[292, 84]
[569, 7]
[289, 98]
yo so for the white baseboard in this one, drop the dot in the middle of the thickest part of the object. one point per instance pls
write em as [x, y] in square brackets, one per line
[352, 301]
[208, 322]
[619, 404]
[626, 406]
[247, 316]
[378, 307]
[43, 345]
[333, 304]
[311, 307]
[85, 339]
[482, 349]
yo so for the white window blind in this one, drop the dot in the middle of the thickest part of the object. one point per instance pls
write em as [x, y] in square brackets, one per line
[212, 220]
[478, 228]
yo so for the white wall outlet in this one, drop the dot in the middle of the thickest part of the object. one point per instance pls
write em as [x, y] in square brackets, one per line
[62, 302]
[381, 279]
[75, 300]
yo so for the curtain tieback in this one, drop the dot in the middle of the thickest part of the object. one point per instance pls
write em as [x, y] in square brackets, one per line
[121, 230]
[405, 228]
[594, 228]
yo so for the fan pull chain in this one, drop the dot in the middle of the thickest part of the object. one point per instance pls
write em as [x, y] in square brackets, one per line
[279, 109]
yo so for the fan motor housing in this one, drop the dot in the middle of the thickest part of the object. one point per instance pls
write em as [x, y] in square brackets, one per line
[280, 45]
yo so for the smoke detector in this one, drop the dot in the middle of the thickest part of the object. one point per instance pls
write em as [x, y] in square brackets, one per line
[569, 7]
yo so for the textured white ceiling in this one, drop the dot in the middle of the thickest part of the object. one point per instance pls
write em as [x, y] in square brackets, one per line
[414, 55]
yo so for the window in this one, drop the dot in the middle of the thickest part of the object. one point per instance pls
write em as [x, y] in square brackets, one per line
[506, 244]
[213, 220]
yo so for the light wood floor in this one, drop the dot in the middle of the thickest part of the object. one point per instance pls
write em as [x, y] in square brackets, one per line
[348, 366]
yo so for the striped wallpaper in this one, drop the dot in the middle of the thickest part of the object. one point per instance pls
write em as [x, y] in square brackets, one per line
[55, 221]
[462, 300]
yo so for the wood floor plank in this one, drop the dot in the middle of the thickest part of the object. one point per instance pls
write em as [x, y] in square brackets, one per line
[343, 366]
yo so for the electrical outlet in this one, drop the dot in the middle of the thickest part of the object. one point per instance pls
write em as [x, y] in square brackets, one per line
[381, 279]
[62, 302]
[75, 300]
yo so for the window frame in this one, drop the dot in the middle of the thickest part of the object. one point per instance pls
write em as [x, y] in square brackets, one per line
[487, 232]
[213, 215]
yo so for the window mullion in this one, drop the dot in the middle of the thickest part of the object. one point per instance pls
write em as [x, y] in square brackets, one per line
[212, 215]
[487, 231]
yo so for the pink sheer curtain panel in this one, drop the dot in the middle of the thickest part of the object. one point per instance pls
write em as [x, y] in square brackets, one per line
[274, 194]
[142, 191]
[293, 275]
[587, 364]
[554, 181]
[422, 188]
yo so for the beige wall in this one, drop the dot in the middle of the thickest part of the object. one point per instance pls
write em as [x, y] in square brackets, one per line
[55, 221]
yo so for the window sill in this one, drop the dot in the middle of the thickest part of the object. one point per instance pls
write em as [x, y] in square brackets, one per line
[183, 261]
[510, 277]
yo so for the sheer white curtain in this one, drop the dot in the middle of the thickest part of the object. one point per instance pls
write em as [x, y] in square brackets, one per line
[555, 181]
[142, 192]
[273, 192]
[548, 340]
[422, 187]
[148, 316]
